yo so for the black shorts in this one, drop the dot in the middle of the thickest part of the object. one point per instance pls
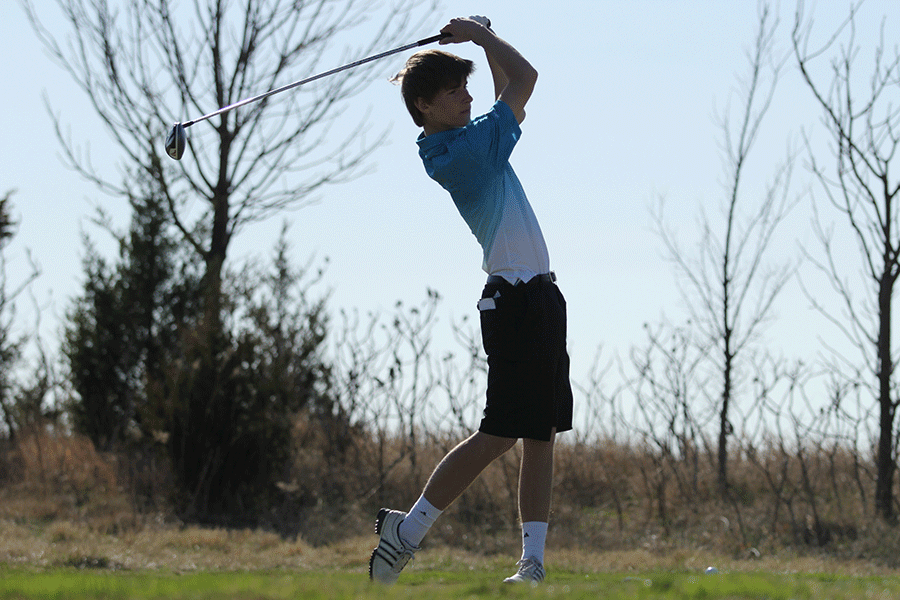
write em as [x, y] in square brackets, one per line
[523, 328]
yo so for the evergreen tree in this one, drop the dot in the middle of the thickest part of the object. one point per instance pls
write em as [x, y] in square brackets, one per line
[124, 328]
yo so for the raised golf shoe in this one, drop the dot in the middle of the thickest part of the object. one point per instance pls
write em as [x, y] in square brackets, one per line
[530, 571]
[391, 554]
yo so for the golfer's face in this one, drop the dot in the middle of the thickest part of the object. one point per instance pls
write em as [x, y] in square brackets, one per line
[451, 108]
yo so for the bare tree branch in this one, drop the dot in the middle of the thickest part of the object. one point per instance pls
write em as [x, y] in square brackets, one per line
[144, 64]
[862, 122]
[728, 286]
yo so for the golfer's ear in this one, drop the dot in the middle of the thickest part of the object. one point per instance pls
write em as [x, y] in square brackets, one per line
[421, 104]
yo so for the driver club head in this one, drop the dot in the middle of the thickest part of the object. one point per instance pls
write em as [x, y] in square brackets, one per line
[176, 141]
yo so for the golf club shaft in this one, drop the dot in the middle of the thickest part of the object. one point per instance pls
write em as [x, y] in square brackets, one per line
[289, 86]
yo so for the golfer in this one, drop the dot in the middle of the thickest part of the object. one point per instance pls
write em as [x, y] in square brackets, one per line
[523, 313]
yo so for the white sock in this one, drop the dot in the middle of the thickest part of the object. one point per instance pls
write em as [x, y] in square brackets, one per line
[534, 537]
[418, 521]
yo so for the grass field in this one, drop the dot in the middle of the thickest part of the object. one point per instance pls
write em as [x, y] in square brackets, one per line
[67, 564]
[435, 584]
[71, 561]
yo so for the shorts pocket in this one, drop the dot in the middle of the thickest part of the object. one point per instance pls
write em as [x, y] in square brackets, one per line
[500, 311]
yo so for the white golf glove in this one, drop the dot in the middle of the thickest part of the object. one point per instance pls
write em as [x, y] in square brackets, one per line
[481, 19]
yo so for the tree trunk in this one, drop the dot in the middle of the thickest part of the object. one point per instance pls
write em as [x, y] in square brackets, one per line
[884, 487]
[215, 263]
[724, 423]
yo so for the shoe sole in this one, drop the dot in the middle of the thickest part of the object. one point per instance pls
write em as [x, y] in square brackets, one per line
[379, 523]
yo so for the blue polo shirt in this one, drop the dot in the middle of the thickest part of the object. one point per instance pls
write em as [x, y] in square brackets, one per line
[472, 163]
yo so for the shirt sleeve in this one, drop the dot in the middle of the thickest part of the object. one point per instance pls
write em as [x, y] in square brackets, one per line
[493, 135]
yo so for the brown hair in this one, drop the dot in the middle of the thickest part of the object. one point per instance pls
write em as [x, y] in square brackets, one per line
[427, 73]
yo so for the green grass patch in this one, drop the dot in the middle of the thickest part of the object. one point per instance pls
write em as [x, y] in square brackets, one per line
[80, 584]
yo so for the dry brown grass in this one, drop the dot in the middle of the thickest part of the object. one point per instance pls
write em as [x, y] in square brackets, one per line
[616, 508]
[195, 549]
[156, 547]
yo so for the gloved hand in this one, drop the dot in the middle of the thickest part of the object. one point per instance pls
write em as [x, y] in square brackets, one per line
[482, 19]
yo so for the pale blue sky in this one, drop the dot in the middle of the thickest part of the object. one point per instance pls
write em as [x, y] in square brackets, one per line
[624, 111]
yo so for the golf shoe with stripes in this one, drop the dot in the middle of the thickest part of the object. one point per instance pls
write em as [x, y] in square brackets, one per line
[530, 571]
[391, 554]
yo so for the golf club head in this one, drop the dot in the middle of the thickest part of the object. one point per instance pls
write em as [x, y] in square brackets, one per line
[176, 141]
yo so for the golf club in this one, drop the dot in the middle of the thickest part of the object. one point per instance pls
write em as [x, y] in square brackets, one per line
[177, 140]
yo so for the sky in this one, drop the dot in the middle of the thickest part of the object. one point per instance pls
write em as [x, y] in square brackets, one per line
[624, 112]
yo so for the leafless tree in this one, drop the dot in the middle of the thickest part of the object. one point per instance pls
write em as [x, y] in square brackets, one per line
[861, 115]
[386, 376]
[728, 286]
[665, 423]
[13, 411]
[144, 64]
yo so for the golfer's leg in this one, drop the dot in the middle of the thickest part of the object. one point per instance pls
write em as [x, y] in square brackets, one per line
[462, 465]
[536, 480]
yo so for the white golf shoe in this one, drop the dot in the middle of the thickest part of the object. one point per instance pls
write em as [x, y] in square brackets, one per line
[391, 554]
[530, 571]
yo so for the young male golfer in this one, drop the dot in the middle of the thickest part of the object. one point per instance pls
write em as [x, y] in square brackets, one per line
[523, 313]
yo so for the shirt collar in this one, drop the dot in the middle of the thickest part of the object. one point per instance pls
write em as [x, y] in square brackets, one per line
[441, 137]
[436, 144]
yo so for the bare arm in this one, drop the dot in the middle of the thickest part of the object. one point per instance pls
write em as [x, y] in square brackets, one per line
[500, 78]
[514, 77]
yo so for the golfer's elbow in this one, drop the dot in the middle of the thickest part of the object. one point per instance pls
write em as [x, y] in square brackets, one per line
[529, 76]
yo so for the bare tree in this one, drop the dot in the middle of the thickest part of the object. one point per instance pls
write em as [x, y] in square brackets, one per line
[668, 379]
[729, 288]
[12, 410]
[862, 120]
[145, 64]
